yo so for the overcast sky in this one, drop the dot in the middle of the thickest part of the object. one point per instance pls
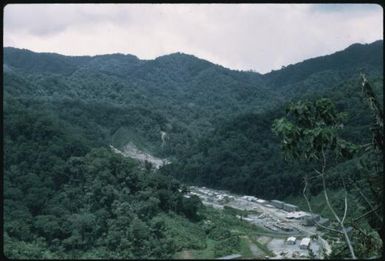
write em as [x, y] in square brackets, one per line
[259, 37]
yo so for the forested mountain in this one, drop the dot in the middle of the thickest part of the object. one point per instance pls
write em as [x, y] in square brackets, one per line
[355, 56]
[243, 155]
[65, 189]
[189, 95]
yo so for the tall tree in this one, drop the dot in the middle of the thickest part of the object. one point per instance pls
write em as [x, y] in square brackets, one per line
[374, 163]
[310, 132]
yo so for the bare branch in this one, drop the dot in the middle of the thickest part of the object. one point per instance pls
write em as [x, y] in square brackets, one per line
[345, 199]
[367, 213]
[311, 211]
[347, 239]
[366, 200]
[345, 209]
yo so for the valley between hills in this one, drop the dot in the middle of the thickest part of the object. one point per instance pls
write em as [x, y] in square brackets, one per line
[110, 156]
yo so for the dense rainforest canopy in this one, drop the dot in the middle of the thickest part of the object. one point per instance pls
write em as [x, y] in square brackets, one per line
[67, 195]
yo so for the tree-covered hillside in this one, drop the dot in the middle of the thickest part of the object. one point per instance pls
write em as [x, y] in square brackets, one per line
[317, 73]
[191, 95]
[243, 155]
[216, 120]
[66, 195]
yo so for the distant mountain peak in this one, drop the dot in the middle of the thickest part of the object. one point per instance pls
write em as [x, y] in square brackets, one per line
[375, 43]
[178, 55]
[117, 55]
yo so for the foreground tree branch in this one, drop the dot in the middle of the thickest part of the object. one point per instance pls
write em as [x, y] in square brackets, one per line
[377, 149]
[311, 211]
[340, 222]
[309, 131]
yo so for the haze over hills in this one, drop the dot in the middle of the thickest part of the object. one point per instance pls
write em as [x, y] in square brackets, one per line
[62, 113]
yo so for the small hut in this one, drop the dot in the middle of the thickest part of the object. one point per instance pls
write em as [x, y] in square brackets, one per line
[291, 240]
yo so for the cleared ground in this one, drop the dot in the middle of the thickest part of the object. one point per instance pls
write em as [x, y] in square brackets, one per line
[278, 228]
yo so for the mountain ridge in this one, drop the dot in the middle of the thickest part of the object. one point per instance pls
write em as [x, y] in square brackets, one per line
[377, 43]
[188, 92]
[66, 191]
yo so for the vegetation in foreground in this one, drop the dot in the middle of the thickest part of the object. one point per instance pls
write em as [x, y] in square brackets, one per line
[67, 196]
[310, 133]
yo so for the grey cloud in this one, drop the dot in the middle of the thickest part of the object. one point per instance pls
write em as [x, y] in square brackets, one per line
[241, 36]
[42, 19]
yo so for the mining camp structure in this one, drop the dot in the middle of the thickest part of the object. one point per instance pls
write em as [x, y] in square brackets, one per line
[277, 203]
[305, 243]
[297, 215]
[290, 207]
[284, 206]
[291, 241]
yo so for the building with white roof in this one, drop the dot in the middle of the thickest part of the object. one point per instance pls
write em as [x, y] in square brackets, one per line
[305, 243]
[297, 215]
[291, 240]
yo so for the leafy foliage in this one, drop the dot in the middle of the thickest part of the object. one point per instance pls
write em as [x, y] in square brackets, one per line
[313, 131]
[313, 136]
[67, 196]
[71, 200]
